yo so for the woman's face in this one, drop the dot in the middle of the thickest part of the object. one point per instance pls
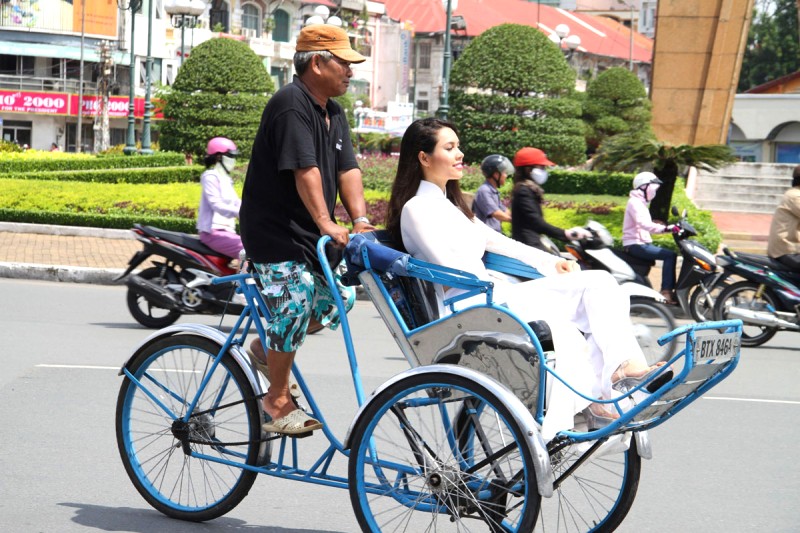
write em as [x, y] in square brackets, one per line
[446, 162]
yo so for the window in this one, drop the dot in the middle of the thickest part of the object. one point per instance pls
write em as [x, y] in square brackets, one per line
[424, 60]
[278, 75]
[16, 65]
[155, 74]
[281, 31]
[219, 16]
[422, 105]
[251, 20]
[18, 131]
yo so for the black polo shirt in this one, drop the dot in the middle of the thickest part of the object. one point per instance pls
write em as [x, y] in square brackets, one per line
[275, 224]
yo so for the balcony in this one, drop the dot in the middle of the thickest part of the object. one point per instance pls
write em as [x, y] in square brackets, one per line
[56, 85]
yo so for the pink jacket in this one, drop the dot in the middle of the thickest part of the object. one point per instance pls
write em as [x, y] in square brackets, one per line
[638, 224]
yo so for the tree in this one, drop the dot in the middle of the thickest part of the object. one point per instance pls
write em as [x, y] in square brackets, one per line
[512, 87]
[635, 152]
[616, 102]
[773, 44]
[220, 90]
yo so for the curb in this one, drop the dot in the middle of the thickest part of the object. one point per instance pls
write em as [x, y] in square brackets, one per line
[75, 231]
[30, 271]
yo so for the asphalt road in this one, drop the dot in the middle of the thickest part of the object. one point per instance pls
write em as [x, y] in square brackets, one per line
[726, 464]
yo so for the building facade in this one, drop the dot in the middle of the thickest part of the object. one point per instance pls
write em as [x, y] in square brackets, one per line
[64, 65]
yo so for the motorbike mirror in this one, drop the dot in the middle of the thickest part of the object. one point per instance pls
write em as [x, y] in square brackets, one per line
[684, 214]
[675, 210]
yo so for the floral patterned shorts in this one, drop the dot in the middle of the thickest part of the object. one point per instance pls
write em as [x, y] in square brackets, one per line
[293, 294]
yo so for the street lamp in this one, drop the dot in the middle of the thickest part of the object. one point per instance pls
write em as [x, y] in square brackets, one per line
[322, 15]
[184, 15]
[566, 42]
[444, 106]
[359, 113]
[130, 140]
[148, 82]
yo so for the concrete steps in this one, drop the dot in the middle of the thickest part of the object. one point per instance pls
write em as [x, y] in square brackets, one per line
[743, 187]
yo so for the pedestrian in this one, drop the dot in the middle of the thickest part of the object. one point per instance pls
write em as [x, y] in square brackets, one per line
[784, 232]
[527, 199]
[429, 215]
[302, 159]
[487, 205]
[637, 227]
[54, 147]
[219, 203]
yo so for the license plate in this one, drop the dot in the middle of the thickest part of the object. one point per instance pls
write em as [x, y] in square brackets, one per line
[710, 346]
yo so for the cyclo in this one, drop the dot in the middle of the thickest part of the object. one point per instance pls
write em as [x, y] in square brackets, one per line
[453, 442]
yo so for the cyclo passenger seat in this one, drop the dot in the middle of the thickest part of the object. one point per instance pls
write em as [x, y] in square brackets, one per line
[484, 338]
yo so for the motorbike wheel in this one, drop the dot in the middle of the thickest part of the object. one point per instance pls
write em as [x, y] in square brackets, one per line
[744, 295]
[701, 305]
[651, 320]
[143, 310]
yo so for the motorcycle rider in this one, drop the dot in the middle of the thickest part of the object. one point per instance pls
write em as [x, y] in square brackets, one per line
[784, 232]
[527, 218]
[219, 203]
[487, 205]
[637, 227]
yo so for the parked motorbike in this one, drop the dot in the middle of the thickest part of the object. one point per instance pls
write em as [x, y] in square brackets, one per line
[650, 316]
[767, 300]
[699, 281]
[181, 283]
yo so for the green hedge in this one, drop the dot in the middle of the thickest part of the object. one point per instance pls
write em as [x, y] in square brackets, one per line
[97, 220]
[14, 163]
[179, 174]
[585, 182]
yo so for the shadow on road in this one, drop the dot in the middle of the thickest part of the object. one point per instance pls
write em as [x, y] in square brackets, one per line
[147, 520]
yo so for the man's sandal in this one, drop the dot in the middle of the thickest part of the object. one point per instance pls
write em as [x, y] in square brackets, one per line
[295, 424]
[294, 389]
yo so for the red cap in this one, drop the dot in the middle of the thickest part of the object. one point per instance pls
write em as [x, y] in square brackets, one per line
[527, 157]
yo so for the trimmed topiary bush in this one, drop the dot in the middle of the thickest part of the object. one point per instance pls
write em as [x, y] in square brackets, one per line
[220, 91]
[512, 87]
[616, 102]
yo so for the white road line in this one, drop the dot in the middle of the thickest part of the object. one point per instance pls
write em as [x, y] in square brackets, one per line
[724, 398]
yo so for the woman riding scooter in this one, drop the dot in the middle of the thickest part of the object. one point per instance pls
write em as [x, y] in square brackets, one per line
[637, 227]
[219, 203]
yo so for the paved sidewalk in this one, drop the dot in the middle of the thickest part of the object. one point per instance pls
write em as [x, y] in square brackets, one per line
[93, 255]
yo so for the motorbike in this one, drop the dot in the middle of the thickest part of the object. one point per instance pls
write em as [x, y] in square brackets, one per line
[180, 284]
[699, 280]
[651, 318]
[767, 300]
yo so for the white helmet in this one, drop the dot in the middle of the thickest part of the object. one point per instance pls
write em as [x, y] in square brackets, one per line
[645, 178]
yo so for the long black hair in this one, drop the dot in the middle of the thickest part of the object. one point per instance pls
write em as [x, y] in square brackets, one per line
[421, 136]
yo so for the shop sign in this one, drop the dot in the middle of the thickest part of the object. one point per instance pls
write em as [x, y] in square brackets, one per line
[117, 106]
[33, 102]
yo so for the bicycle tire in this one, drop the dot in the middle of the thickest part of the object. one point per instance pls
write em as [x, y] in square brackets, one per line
[421, 482]
[153, 444]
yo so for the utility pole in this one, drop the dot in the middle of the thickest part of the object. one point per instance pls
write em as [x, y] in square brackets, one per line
[148, 105]
[101, 140]
[79, 133]
[444, 106]
[130, 140]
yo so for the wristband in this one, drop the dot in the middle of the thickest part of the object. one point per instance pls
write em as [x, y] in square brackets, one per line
[365, 220]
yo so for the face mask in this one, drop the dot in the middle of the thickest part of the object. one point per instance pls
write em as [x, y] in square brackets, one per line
[228, 163]
[539, 175]
[650, 192]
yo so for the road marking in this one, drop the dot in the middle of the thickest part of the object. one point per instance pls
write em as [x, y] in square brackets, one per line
[725, 398]
[116, 368]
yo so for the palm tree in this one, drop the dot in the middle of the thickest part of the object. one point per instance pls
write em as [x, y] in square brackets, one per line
[634, 153]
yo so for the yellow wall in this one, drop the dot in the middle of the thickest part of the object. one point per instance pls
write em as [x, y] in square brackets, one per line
[696, 61]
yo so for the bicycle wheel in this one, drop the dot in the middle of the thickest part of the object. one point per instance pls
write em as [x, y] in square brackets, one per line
[744, 295]
[407, 472]
[143, 310]
[598, 494]
[650, 321]
[155, 443]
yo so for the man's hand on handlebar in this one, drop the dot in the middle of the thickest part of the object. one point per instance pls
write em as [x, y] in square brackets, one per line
[339, 235]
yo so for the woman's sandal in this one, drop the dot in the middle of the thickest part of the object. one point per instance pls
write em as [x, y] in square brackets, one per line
[597, 416]
[295, 424]
[294, 389]
[622, 382]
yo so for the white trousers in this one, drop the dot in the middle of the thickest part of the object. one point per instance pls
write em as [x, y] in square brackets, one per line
[589, 316]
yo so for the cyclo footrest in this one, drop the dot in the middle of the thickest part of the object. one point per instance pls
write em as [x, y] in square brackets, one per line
[710, 354]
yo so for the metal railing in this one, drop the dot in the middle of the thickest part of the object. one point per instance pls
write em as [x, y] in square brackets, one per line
[56, 85]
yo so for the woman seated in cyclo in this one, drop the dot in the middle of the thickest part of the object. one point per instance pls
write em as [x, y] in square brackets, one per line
[428, 213]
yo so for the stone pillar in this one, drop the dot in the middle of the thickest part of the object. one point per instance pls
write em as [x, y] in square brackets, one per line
[696, 62]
